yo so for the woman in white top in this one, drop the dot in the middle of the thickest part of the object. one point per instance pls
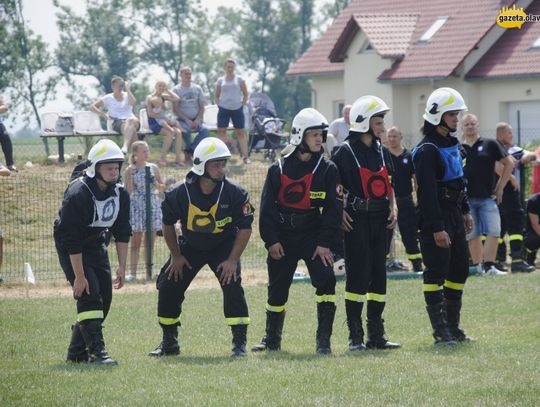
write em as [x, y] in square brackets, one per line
[119, 106]
[231, 97]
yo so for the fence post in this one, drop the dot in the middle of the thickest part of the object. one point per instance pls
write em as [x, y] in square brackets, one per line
[149, 233]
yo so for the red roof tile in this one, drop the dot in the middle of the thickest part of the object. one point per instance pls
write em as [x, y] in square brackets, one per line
[467, 23]
[512, 55]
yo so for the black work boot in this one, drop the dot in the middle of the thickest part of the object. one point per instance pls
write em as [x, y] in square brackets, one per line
[77, 348]
[417, 265]
[453, 311]
[354, 322]
[169, 344]
[91, 331]
[326, 312]
[531, 258]
[441, 333]
[239, 333]
[376, 339]
[521, 266]
[274, 329]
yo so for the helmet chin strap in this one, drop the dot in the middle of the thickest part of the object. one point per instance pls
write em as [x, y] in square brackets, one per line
[109, 183]
[214, 180]
[304, 148]
[443, 124]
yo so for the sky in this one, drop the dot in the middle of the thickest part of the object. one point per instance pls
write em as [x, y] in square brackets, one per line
[41, 18]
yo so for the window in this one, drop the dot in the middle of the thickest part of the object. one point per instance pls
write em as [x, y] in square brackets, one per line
[536, 44]
[433, 29]
[337, 108]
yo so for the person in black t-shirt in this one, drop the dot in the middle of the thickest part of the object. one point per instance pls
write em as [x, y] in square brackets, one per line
[301, 210]
[216, 216]
[484, 193]
[511, 209]
[532, 234]
[402, 179]
[444, 216]
[370, 210]
[93, 204]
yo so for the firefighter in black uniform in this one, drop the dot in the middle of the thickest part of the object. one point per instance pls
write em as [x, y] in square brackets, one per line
[93, 204]
[511, 209]
[370, 210]
[402, 180]
[532, 235]
[215, 216]
[444, 216]
[301, 209]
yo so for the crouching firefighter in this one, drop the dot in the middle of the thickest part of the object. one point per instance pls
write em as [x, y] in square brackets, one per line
[215, 216]
[370, 210]
[93, 205]
[444, 216]
[301, 208]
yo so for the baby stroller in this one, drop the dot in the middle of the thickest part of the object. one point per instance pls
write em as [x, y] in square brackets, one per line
[266, 131]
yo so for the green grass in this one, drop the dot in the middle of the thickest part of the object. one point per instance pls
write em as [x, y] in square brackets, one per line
[499, 369]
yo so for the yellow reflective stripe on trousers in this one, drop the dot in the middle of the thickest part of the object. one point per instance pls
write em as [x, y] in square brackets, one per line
[325, 298]
[414, 256]
[428, 288]
[237, 321]
[275, 308]
[376, 297]
[355, 297]
[454, 286]
[516, 237]
[83, 316]
[168, 321]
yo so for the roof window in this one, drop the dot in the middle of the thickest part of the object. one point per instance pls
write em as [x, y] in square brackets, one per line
[430, 32]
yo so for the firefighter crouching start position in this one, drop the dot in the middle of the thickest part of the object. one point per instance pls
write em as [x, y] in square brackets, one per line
[301, 207]
[216, 216]
[92, 205]
[370, 210]
[443, 215]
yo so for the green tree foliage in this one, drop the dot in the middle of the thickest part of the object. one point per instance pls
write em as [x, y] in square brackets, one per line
[333, 8]
[8, 41]
[98, 44]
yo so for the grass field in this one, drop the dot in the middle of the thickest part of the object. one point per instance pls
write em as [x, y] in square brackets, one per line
[500, 369]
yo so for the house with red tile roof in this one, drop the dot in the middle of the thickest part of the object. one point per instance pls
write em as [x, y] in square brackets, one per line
[402, 50]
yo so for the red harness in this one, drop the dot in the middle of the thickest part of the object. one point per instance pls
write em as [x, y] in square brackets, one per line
[295, 193]
[375, 185]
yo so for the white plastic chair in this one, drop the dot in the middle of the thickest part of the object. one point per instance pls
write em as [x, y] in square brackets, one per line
[143, 119]
[210, 117]
[87, 123]
[48, 125]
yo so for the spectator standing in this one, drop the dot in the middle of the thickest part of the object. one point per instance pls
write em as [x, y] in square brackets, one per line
[403, 178]
[484, 194]
[301, 209]
[370, 211]
[190, 111]
[119, 105]
[511, 209]
[216, 216]
[160, 122]
[136, 187]
[338, 130]
[444, 216]
[93, 204]
[5, 140]
[231, 96]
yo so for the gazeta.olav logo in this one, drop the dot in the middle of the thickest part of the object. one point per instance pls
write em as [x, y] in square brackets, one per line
[513, 17]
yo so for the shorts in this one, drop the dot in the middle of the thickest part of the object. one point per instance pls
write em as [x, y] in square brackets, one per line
[486, 218]
[225, 115]
[154, 125]
[117, 125]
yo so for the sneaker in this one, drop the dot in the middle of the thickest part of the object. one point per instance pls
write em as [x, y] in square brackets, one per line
[522, 267]
[494, 271]
[501, 266]
[395, 265]
[130, 278]
[477, 269]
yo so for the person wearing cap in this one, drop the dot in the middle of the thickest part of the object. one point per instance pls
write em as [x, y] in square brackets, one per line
[301, 209]
[370, 211]
[215, 217]
[93, 205]
[444, 216]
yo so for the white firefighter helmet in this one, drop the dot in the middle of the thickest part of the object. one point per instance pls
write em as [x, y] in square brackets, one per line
[440, 101]
[306, 119]
[210, 148]
[363, 109]
[104, 151]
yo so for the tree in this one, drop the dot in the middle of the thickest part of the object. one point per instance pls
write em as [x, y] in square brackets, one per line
[8, 41]
[333, 9]
[99, 44]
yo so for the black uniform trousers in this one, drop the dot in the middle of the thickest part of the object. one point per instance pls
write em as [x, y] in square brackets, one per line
[408, 226]
[365, 254]
[97, 271]
[446, 269]
[7, 146]
[281, 272]
[172, 294]
[513, 223]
